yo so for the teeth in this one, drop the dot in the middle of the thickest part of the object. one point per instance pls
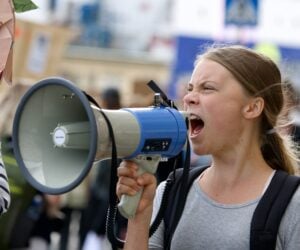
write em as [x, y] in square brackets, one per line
[194, 117]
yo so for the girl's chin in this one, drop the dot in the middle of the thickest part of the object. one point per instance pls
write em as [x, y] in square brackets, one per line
[198, 149]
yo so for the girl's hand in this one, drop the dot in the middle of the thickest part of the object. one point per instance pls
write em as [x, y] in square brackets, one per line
[130, 183]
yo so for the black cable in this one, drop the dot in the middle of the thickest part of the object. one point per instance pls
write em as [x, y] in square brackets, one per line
[113, 199]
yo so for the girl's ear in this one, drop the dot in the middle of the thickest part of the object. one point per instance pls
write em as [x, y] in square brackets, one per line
[254, 108]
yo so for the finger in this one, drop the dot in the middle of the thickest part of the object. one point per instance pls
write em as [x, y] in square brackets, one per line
[146, 179]
[128, 168]
[127, 190]
[131, 182]
[128, 172]
[129, 164]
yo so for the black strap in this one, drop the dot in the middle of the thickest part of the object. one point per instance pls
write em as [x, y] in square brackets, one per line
[157, 89]
[269, 211]
[176, 200]
[112, 210]
[178, 163]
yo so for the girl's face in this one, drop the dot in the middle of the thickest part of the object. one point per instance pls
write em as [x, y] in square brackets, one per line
[215, 101]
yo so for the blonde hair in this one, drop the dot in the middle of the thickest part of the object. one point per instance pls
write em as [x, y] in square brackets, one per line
[260, 76]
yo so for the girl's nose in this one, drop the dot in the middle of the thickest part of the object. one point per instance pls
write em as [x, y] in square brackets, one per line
[190, 98]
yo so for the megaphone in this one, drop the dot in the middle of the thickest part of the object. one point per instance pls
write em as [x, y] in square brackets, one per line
[59, 134]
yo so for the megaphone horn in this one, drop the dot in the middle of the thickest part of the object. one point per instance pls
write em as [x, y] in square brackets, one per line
[58, 134]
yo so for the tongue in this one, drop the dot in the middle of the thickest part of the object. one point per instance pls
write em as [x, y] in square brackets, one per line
[197, 129]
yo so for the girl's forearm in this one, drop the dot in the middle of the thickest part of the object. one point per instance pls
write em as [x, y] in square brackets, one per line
[138, 232]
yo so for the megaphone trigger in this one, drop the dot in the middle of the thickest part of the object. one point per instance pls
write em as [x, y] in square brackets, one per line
[128, 204]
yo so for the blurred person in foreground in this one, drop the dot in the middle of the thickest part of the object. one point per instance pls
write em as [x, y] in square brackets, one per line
[7, 34]
[4, 188]
[21, 192]
[5, 198]
[235, 98]
[32, 216]
[7, 22]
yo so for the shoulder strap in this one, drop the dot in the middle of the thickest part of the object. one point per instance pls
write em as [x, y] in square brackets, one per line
[175, 204]
[269, 211]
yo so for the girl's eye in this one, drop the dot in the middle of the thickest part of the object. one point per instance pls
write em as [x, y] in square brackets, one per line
[207, 87]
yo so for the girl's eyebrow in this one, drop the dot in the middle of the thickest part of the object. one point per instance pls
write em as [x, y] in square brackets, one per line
[197, 84]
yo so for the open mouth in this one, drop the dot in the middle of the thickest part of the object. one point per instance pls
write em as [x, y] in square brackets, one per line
[196, 125]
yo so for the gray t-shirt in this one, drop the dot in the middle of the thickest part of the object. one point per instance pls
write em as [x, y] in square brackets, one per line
[206, 224]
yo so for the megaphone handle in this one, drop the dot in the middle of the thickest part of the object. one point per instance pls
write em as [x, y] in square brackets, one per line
[128, 204]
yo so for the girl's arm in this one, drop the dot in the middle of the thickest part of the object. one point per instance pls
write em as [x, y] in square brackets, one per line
[130, 183]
